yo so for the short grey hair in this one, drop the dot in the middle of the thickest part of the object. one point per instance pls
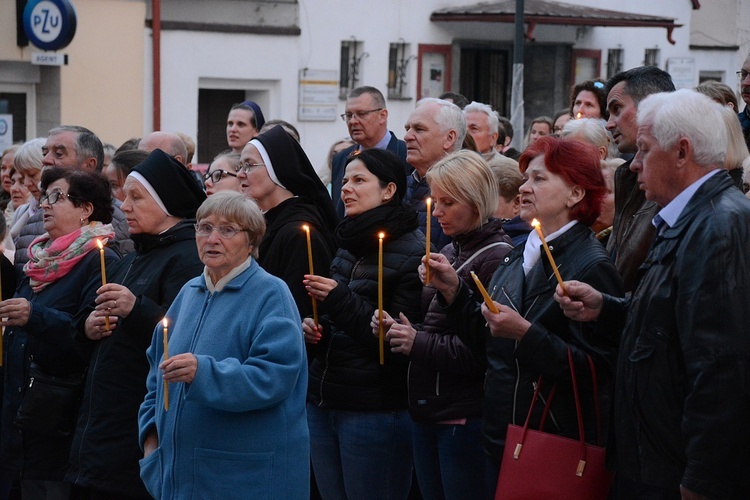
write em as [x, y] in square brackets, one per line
[480, 107]
[88, 145]
[236, 207]
[28, 159]
[689, 114]
[591, 130]
[448, 117]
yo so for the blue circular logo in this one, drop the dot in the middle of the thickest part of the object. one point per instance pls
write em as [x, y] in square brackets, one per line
[3, 126]
[49, 24]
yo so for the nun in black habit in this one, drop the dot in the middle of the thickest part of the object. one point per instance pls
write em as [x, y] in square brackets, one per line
[276, 173]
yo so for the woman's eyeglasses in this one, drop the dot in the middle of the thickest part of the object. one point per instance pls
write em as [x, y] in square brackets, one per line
[205, 229]
[217, 175]
[54, 197]
[245, 166]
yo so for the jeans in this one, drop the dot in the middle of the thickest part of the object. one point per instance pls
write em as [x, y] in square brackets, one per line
[361, 455]
[449, 460]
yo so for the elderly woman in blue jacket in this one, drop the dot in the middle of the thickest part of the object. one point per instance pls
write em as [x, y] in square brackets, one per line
[233, 421]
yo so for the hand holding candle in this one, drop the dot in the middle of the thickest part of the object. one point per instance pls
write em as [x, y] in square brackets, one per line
[538, 228]
[487, 299]
[104, 276]
[381, 334]
[165, 334]
[312, 271]
[427, 236]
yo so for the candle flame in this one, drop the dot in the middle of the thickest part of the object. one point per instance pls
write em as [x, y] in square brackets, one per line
[164, 322]
[381, 235]
[429, 201]
[535, 223]
[306, 228]
[578, 115]
[101, 245]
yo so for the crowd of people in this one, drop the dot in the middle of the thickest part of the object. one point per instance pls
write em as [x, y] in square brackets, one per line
[263, 331]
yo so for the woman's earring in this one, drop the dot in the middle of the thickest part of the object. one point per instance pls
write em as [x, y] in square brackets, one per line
[82, 221]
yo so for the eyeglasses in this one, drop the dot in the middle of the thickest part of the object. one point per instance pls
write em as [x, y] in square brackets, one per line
[245, 166]
[54, 197]
[742, 74]
[217, 175]
[359, 114]
[226, 232]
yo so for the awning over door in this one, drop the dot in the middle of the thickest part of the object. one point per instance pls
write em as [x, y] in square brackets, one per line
[554, 13]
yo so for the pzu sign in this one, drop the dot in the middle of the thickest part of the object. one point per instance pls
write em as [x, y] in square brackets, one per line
[49, 24]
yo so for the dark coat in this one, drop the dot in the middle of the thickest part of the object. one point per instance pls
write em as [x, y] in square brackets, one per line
[632, 231]
[47, 338]
[338, 166]
[446, 379]
[105, 449]
[346, 373]
[514, 367]
[283, 249]
[682, 400]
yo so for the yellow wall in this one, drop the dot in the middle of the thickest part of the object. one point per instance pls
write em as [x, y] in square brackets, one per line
[102, 85]
[9, 51]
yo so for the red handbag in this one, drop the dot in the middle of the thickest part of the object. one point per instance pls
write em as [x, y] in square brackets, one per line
[539, 465]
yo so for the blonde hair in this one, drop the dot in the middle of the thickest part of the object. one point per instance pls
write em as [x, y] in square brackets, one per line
[736, 147]
[466, 177]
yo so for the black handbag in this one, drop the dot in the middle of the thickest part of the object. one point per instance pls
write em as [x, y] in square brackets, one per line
[50, 404]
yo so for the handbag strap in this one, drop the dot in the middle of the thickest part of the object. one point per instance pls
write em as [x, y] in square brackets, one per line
[548, 404]
[482, 250]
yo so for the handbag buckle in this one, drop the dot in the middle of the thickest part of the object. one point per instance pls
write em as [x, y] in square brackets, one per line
[581, 466]
[517, 452]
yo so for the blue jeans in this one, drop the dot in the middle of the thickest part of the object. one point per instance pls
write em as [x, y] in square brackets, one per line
[361, 455]
[449, 460]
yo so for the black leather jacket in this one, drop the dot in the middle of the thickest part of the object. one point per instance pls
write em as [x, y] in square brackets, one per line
[682, 401]
[514, 367]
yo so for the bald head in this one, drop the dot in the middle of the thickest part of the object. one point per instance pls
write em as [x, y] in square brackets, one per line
[169, 143]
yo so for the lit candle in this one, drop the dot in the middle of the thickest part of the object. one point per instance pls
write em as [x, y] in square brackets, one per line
[427, 234]
[381, 334]
[538, 228]
[578, 115]
[487, 299]
[312, 271]
[104, 276]
[165, 333]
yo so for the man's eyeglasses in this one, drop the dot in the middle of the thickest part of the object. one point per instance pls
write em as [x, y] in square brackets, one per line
[227, 232]
[245, 166]
[54, 197]
[217, 175]
[742, 74]
[359, 114]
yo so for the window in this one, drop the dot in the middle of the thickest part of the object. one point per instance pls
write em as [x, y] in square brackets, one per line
[398, 60]
[351, 58]
[614, 62]
[651, 57]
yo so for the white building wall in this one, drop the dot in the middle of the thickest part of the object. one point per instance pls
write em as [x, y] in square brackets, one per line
[273, 62]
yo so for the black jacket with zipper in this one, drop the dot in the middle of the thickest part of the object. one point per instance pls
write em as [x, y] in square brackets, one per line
[514, 367]
[105, 450]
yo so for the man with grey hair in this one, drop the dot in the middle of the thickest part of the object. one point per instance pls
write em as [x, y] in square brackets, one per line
[366, 118]
[434, 129]
[483, 126]
[682, 390]
[171, 144]
[72, 147]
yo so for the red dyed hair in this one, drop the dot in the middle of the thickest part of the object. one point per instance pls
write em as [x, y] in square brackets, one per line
[578, 164]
